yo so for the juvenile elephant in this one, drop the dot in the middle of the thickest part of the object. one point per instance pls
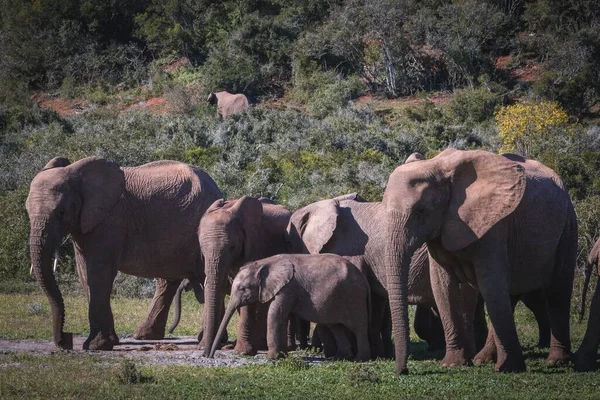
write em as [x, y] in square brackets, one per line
[228, 103]
[351, 227]
[231, 234]
[503, 224]
[142, 221]
[322, 288]
[585, 357]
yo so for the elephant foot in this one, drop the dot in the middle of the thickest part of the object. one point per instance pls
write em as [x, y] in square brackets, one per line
[512, 363]
[455, 358]
[558, 357]
[100, 342]
[485, 356]
[228, 346]
[585, 362]
[66, 341]
[145, 332]
[244, 348]
[275, 355]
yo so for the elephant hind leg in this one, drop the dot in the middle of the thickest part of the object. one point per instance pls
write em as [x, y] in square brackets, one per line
[536, 302]
[344, 347]
[153, 328]
[558, 296]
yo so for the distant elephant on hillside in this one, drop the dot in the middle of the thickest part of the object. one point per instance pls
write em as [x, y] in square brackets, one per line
[228, 103]
[141, 220]
[585, 357]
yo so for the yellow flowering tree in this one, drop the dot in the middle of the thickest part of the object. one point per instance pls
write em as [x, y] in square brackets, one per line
[523, 126]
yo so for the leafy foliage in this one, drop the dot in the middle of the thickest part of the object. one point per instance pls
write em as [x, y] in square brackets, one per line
[524, 127]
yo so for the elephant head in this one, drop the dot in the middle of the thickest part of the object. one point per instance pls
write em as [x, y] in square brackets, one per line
[212, 99]
[452, 199]
[256, 282]
[67, 198]
[312, 227]
[230, 234]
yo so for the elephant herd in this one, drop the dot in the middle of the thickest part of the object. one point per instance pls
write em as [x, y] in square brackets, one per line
[450, 234]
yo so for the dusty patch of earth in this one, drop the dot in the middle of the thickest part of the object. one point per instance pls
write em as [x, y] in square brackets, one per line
[172, 351]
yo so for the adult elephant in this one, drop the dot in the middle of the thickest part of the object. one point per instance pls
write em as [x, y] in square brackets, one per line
[231, 234]
[585, 357]
[351, 227]
[503, 224]
[228, 103]
[142, 221]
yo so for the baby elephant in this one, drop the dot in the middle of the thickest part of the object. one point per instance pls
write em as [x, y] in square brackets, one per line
[322, 288]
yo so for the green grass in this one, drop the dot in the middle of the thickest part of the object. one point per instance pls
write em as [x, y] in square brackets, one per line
[21, 317]
[26, 375]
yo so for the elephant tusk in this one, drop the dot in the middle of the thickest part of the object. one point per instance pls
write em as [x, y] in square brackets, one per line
[55, 261]
[31, 270]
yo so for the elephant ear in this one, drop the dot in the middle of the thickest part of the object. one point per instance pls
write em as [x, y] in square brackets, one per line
[250, 212]
[56, 162]
[316, 223]
[272, 278]
[101, 183]
[350, 196]
[484, 189]
[414, 157]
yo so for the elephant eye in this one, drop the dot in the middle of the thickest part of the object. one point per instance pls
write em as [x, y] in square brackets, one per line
[419, 212]
[61, 214]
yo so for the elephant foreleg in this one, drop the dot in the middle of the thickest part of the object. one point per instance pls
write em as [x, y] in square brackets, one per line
[102, 327]
[585, 358]
[277, 319]
[450, 299]
[491, 270]
[378, 308]
[153, 328]
[489, 352]
[246, 326]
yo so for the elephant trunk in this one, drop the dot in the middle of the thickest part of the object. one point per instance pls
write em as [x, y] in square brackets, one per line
[228, 314]
[41, 251]
[177, 305]
[397, 262]
[213, 303]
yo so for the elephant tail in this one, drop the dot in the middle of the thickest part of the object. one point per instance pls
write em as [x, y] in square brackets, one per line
[177, 305]
[589, 266]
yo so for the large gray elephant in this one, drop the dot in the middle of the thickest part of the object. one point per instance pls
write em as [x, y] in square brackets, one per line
[322, 288]
[351, 227]
[586, 355]
[503, 224]
[141, 220]
[232, 233]
[228, 103]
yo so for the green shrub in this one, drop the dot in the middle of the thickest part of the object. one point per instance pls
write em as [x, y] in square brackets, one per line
[14, 236]
[324, 92]
[473, 106]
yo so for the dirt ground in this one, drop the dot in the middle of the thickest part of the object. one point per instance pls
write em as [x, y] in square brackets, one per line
[172, 351]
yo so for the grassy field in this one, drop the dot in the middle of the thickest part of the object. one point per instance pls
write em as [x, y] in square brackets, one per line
[27, 375]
